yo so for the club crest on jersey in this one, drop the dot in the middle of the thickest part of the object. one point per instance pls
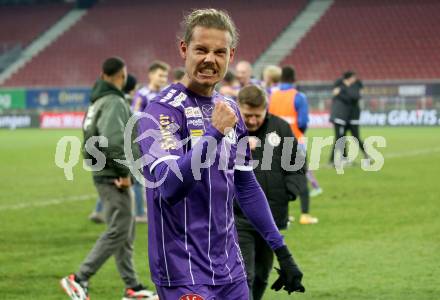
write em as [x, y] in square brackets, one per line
[274, 139]
[191, 297]
[193, 112]
[231, 137]
[207, 110]
[177, 101]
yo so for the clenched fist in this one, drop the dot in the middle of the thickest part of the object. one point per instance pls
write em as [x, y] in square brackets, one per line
[223, 117]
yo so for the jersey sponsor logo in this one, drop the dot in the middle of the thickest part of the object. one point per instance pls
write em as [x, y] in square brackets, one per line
[197, 112]
[196, 132]
[191, 297]
[168, 96]
[196, 135]
[193, 112]
[177, 101]
[189, 112]
[195, 122]
[168, 141]
[274, 139]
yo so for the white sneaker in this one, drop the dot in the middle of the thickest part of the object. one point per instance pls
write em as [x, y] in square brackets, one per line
[139, 292]
[76, 290]
[316, 192]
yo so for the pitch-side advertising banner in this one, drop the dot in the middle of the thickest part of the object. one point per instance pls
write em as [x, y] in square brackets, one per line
[21, 120]
[382, 104]
[421, 117]
[61, 120]
[52, 98]
[12, 99]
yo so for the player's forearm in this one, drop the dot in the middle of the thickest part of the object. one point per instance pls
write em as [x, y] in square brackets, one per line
[254, 205]
[173, 189]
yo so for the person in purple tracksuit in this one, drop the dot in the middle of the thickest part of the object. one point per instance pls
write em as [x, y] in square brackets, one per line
[157, 80]
[197, 162]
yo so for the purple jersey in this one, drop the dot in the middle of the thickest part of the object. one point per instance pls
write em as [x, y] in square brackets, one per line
[193, 241]
[142, 98]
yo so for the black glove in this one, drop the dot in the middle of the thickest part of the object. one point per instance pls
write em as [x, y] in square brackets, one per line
[289, 274]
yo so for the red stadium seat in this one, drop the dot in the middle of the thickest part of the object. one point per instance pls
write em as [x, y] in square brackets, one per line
[141, 31]
[20, 24]
[393, 39]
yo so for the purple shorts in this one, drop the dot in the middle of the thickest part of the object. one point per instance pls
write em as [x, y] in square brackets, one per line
[233, 291]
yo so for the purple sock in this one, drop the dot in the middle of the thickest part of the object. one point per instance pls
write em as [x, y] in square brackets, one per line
[312, 179]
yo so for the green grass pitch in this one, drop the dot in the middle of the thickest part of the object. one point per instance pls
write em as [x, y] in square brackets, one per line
[378, 236]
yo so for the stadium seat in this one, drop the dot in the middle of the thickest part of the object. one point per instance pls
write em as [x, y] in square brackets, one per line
[141, 31]
[393, 39]
[23, 23]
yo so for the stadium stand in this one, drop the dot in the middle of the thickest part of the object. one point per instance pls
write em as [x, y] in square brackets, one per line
[393, 39]
[23, 23]
[140, 32]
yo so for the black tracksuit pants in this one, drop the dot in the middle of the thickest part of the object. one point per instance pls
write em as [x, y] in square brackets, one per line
[258, 259]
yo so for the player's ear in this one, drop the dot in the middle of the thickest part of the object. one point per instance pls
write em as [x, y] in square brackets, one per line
[231, 55]
[183, 48]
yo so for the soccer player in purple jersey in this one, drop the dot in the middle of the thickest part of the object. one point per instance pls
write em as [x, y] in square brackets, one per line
[196, 166]
[157, 80]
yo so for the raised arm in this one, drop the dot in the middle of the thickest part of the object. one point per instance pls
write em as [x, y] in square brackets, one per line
[164, 145]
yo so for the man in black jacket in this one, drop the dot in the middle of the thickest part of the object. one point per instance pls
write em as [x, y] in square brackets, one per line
[103, 129]
[267, 133]
[345, 110]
